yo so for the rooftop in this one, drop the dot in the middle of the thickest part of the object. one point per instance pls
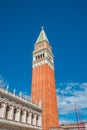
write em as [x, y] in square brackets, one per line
[42, 36]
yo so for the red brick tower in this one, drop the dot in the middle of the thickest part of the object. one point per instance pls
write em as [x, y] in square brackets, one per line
[43, 81]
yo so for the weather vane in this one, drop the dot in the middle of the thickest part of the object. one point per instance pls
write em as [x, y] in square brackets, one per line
[42, 27]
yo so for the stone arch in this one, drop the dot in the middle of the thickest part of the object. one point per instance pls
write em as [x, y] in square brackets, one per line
[7, 112]
[36, 57]
[37, 120]
[14, 114]
[43, 55]
[32, 116]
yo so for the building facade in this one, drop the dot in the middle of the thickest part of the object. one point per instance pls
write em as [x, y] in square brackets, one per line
[43, 81]
[72, 126]
[16, 113]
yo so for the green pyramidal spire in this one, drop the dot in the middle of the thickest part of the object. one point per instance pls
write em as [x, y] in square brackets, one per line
[42, 36]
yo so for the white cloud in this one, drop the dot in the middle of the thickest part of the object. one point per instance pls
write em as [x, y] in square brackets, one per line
[65, 121]
[69, 95]
[25, 96]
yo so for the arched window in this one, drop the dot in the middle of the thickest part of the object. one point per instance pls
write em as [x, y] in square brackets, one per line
[14, 114]
[36, 57]
[37, 120]
[22, 114]
[43, 54]
[0, 105]
[7, 111]
[32, 119]
[40, 56]
[27, 114]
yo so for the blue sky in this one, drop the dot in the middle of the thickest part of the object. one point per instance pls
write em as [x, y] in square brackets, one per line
[65, 24]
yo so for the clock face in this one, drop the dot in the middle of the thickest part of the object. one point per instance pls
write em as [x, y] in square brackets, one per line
[39, 47]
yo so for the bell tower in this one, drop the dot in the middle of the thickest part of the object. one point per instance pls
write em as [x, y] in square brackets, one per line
[43, 81]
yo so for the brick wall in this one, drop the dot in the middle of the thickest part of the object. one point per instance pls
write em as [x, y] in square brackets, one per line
[44, 90]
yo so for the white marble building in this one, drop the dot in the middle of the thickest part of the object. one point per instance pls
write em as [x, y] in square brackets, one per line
[17, 113]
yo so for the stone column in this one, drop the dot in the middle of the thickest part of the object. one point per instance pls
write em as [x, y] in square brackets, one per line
[23, 116]
[34, 120]
[2, 110]
[17, 114]
[29, 118]
[39, 122]
[10, 113]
